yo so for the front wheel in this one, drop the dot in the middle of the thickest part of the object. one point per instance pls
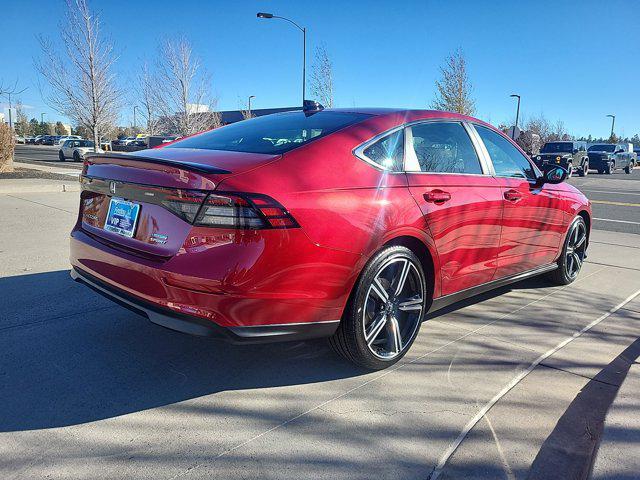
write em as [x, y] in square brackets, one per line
[585, 169]
[61, 156]
[384, 313]
[570, 169]
[76, 156]
[609, 169]
[573, 253]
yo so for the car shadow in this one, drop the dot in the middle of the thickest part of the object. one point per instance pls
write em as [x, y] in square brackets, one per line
[67, 357]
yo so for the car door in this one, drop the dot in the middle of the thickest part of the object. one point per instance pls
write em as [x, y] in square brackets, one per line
[460, 201]
[533, 220]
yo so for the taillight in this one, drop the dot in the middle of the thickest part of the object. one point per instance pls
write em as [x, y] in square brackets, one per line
[244, 211]
[184, 204]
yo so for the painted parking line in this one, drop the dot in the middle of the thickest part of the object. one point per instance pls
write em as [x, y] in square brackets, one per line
[609, 191]
[516, 380]
[623, 204]
[616, 221]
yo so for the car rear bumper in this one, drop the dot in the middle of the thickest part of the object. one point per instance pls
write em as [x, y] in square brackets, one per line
[194, 325]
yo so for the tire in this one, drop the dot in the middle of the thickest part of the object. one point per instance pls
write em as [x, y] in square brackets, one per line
[609, 169]
[570, 169]
[76, 157]
[371, 326]
[61, 156]
[584, 171]
[573, 254]
[628, 169]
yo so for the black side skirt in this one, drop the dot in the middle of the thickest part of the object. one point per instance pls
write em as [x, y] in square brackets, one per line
[442, 302]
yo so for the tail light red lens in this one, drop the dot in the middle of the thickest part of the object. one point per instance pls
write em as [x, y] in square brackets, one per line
[244, 211]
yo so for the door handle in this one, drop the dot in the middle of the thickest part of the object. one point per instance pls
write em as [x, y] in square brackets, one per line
[512, 195]
[437, 196]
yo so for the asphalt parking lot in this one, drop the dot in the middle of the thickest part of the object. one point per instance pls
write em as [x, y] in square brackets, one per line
[514, 384]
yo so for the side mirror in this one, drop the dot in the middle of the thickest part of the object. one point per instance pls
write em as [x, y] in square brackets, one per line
[554, 174]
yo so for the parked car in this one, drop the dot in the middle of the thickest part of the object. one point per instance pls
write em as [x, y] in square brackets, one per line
[48, 140]
[636, 150]
[64, 138]
[38, 139]
[19, 139]
[29, 140]
[571, 155]
[608, 157]
[248, 232]
[76, 149]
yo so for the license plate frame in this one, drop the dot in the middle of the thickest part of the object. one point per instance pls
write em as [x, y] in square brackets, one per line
[122, 217]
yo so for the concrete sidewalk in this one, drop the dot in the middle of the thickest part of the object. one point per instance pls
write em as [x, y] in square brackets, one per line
[619, 453]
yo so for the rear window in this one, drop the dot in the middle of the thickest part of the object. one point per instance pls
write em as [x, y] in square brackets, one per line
[276, 133]
[602, 148]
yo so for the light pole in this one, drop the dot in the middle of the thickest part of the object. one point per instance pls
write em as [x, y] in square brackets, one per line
[134, 116]
[250, 97]
[613, 123]
[304, 45]
[517, 114]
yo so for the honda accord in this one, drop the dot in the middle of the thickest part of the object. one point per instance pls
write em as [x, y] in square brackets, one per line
[351, 224]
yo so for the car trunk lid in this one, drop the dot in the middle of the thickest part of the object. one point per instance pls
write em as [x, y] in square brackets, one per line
[145, 203]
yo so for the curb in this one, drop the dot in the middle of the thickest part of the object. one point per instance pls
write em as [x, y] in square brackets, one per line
[46, 188]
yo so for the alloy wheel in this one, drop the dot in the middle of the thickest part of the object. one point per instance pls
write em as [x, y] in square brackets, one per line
[576, 249]
[393, 308]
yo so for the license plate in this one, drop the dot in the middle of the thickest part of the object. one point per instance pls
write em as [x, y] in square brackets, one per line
[122, 217]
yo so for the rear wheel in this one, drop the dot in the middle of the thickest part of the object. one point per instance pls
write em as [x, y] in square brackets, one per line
[61, 156]
[628, 169]
[573, 254]
[76, 156]
[608, 169]
[570, 168]
[385, 310]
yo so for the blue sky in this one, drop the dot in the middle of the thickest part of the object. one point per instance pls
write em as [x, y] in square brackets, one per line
[571, 60]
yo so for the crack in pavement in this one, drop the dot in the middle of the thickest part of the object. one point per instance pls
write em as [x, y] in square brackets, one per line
[39, 203]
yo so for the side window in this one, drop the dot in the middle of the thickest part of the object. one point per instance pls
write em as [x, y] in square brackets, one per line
[441, 147]
[507, 159]
[388, 152]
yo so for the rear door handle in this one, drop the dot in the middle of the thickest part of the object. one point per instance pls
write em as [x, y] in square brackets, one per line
[512, 195]
[437, 196]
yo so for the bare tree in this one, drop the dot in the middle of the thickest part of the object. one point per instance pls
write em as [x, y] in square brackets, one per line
[148, 98]
[322, 77]
[82, 85]
[453, 90]
[182, 90]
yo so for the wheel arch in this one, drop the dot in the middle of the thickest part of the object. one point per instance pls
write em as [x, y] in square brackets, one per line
[426, 256]
[587, 219]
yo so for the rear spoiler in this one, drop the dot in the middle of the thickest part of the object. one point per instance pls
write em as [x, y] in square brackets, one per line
[196, 167]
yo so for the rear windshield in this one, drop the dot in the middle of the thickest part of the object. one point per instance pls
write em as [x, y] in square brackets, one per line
[602, 148]
[557, 147]
[276, 133]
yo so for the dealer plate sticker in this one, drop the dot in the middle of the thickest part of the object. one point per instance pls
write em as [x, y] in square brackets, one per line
[122, 217]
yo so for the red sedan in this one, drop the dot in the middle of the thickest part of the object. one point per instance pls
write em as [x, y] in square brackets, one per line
[349, 224]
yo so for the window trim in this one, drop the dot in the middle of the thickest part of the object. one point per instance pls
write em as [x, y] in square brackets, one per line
[488, 157]
[483, 156]
[359, 150]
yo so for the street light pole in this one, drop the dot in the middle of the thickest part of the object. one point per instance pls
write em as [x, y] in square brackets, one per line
[517, 115]
[304, 46]
[613, 123]
[250, 97]
[134, 116]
